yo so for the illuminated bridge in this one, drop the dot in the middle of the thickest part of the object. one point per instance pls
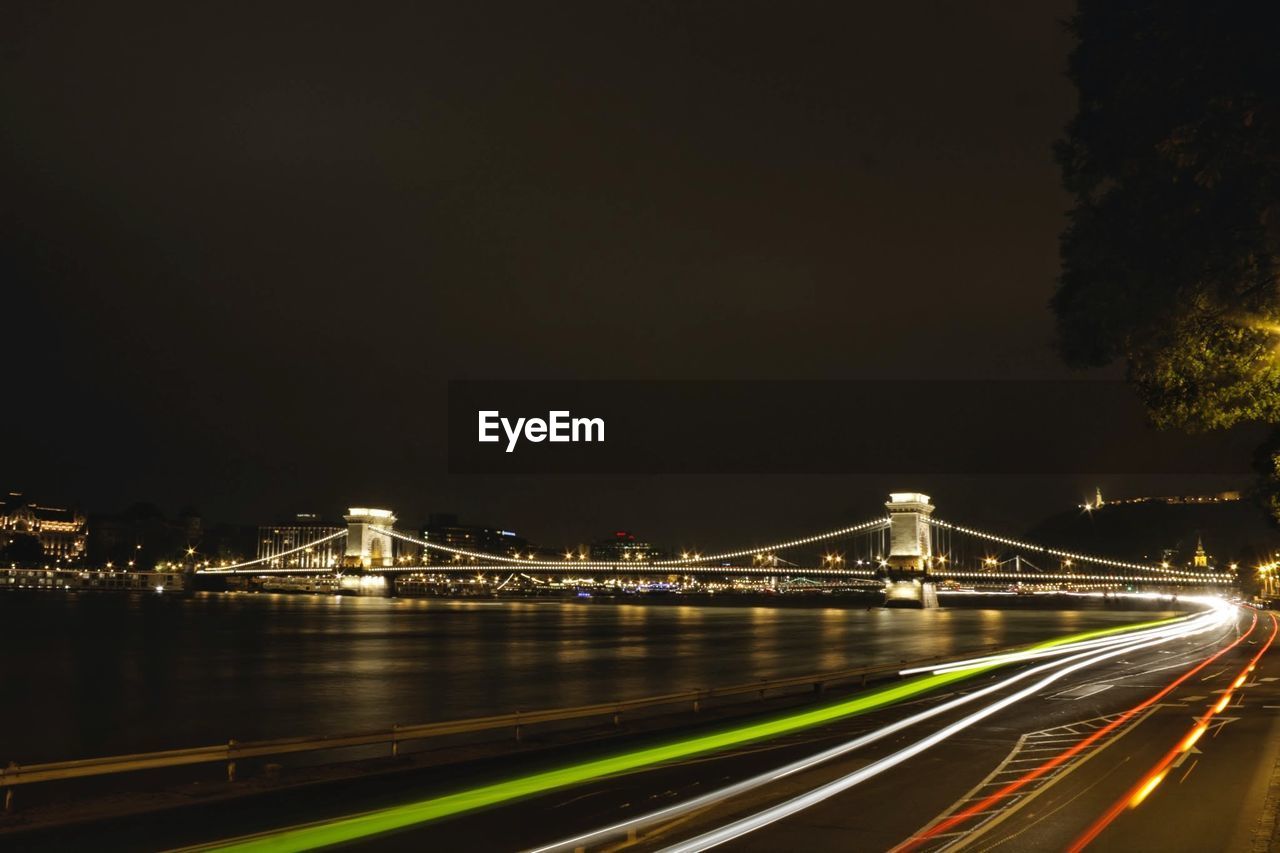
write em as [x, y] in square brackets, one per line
[908, 552]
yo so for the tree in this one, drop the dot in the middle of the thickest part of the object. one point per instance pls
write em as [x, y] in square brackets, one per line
[24, 549]
[1171, 256]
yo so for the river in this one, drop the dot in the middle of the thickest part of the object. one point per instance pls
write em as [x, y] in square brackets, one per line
[105, 673]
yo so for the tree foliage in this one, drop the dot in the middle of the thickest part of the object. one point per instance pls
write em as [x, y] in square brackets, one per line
[1171, 258]
[24, 550]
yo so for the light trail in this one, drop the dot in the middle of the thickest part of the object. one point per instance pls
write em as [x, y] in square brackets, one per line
[985, 804]
[1032, 653]
[1148, 783]
[674, 811]
[824, 792]
[352, 827]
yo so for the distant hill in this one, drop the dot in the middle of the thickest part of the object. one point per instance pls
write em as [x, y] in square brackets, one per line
[1233, 531]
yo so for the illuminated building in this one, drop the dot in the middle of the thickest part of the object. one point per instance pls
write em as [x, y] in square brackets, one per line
[276, 539]
[621, 546]
[1229, 496]
[61, 532]
[1201, 559]
[444, 529]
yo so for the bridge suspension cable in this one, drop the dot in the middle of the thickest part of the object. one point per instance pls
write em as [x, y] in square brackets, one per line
[235, 567]
[697, 559]
[1066, 555]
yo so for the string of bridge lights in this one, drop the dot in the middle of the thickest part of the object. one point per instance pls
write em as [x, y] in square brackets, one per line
[1037, 577]
[864, 527]
[692, 560]
[306, 546]
[1068, 555]
[698, 559]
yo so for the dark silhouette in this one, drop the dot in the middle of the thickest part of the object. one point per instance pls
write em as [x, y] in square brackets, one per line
[1170, 256]
[24, 550]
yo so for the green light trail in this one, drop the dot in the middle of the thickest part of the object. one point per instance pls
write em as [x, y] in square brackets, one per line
[339, 830]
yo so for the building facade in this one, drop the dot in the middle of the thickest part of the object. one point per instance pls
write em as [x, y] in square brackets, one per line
[621, 547]
[444, 529]
[276, 541]
[60, 532]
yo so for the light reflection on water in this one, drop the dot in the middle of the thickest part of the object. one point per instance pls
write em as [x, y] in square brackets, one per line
[105, 673]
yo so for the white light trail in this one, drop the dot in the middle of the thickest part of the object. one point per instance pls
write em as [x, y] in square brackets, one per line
[786, 809]
[1055, 651]
[1188, 627]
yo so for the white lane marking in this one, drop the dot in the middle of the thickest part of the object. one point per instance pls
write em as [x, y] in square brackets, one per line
[1082, 692]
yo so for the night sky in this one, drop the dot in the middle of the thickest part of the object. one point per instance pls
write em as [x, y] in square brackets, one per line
[245, 246]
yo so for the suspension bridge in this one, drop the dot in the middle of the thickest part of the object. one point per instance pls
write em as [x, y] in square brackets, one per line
[908, 551]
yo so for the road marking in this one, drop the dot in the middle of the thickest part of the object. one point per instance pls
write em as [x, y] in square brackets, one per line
[1014, 802]
[1044, 749]
[1220, 723]
[1188, 773]
[1052, 740]
[1183, 756]
[1081, 692]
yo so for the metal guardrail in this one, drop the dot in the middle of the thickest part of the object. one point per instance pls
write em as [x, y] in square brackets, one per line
[232, 751]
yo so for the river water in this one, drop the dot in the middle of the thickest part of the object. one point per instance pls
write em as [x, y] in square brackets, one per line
[103, 673]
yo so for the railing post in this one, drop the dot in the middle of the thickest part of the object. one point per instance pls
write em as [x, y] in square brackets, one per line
[395, 743]
[231, 764]
[8, 792]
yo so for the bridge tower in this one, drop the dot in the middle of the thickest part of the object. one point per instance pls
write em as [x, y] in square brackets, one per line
[910, 542]
[910, 551]
[368, 538]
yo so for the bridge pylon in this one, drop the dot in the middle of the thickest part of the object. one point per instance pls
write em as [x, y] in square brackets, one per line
[369, 538]
[910, 551]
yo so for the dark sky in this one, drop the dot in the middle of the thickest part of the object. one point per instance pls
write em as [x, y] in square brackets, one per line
[245, 246]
